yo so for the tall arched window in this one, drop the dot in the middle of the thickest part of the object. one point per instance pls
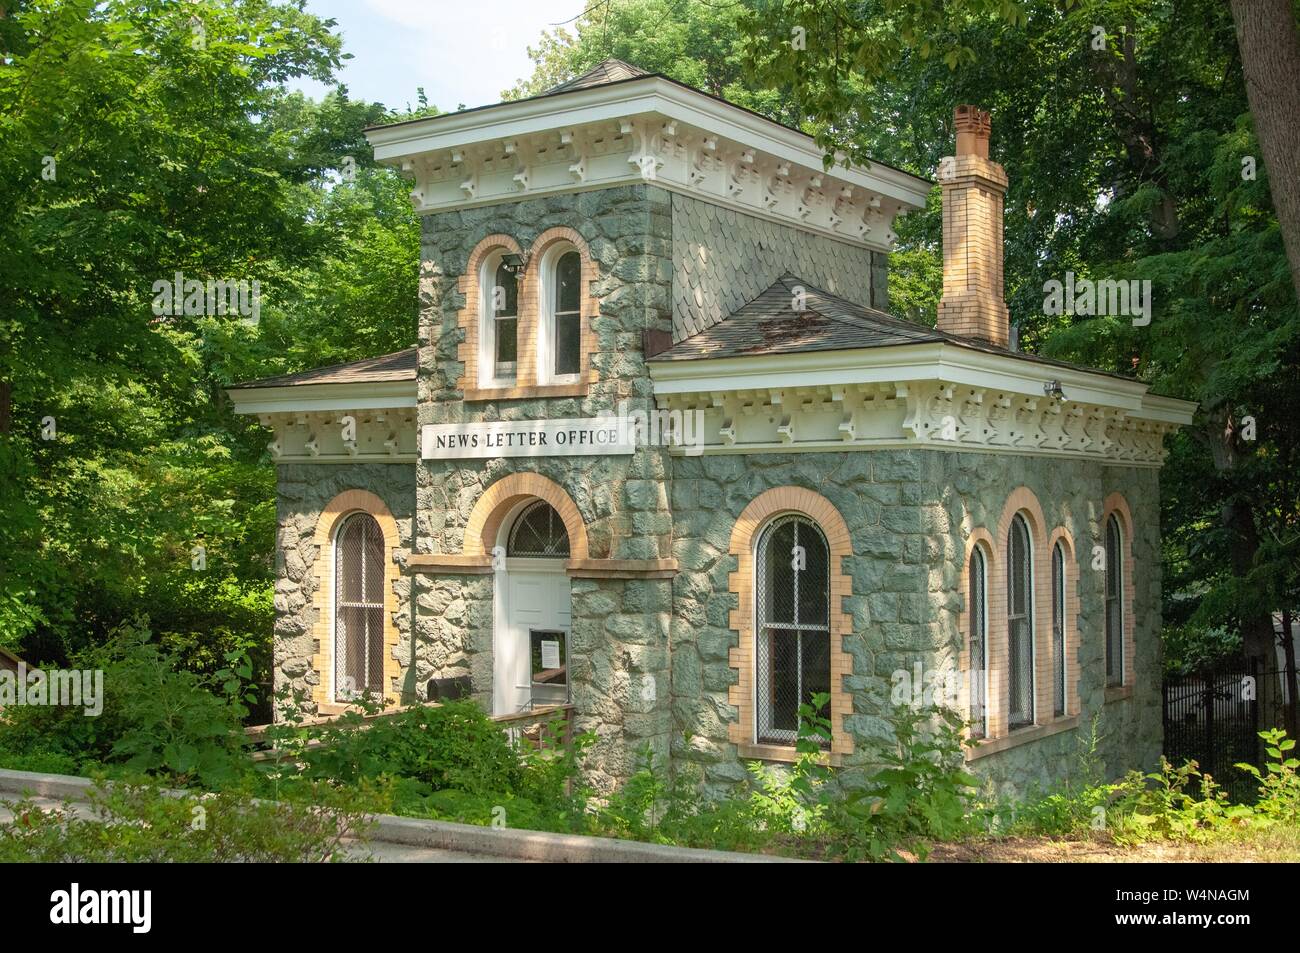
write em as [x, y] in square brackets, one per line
[1114, 602]
[1058, 630]
[563, 321]
[538, 531]
[501, 323]
[1020, 625]
[793, 601]
[977, 608]
[358, 608]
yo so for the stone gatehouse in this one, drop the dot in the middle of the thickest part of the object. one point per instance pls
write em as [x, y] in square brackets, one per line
[662, 451]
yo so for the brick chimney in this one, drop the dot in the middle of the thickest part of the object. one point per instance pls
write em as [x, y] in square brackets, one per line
[974, 300]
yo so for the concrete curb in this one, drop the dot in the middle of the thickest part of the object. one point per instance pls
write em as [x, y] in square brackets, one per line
[445, 835]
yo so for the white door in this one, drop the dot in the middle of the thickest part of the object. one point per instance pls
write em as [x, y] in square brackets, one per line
[534, 595]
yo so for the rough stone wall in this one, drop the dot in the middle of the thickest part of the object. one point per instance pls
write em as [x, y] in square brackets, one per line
[302, 492]
[723, 258]
[972, 489]
[909, 513]
[619, 640]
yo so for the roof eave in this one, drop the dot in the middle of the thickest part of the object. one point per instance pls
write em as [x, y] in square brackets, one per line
[653, 94]
[322, 398]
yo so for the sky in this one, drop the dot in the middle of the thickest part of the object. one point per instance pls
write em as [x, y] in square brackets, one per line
[460, 51]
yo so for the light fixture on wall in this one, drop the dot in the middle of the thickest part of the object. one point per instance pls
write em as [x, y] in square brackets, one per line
[514, 263]
[1053, 390]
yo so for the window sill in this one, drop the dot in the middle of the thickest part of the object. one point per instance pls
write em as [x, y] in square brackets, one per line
[526, 392]
[751, 752]
[1116, 693]
[1022, 736]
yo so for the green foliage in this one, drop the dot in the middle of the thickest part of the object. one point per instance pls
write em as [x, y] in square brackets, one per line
[133, 822]
[1079, 804]
[1279, 782]
[922, 793]
[171, 155]
[157, 719]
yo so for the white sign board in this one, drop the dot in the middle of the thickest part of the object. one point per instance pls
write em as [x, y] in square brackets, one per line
[550, 654]
[577, 437]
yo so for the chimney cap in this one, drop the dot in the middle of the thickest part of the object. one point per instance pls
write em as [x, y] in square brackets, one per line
[973, 126]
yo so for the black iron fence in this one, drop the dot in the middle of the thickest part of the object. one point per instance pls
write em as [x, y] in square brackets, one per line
[1213, 718]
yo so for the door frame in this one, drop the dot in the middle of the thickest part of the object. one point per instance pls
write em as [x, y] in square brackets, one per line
[501, 586]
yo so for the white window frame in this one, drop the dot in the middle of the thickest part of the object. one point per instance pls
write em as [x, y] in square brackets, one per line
[333, 657]
[1118, 569]
[1063, 606]
[1030, 617]
[983, 621]
[487, 336]
[546, 337]
[757, 700]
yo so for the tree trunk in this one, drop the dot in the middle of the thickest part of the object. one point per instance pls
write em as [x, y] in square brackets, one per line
[1270, 59]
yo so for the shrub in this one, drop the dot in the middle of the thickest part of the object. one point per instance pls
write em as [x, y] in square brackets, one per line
[132, 822]
[1279, 782]
[157, 719]
[922, 793]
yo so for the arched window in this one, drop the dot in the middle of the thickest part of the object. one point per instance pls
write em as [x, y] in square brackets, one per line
[538, 531]
[1058, 630]
[358, 608]
[559, 358]
[1114, 603]
[977, 607]
[793, 632]
[500, 355]
[1020, 625]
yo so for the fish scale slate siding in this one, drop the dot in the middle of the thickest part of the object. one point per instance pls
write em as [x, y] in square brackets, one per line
[723, 259]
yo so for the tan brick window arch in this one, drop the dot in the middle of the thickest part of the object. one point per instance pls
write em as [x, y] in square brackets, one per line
[1064, 585]
[1119, 591]
[788, 640]
[528, 330]
[560, 276]
[487, 306]
[355, 602]
[975, 689]
[1019, 607]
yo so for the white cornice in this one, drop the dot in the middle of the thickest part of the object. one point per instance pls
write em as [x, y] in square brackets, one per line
[939, 396]
[647, 130]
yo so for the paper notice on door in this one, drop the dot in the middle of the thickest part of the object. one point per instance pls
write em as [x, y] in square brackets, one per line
[550, 654]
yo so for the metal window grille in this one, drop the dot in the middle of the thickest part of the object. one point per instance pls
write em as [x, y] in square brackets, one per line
[1020, 626]
[1058, 630]
[1114, 604]
[538, 531]
[793, 632]
[978, 645]
[568, 314]
[358, 608]
[505, 324]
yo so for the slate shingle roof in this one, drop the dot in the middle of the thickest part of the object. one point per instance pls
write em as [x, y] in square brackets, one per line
[606, 71]
[769, 324]
[398, 366]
